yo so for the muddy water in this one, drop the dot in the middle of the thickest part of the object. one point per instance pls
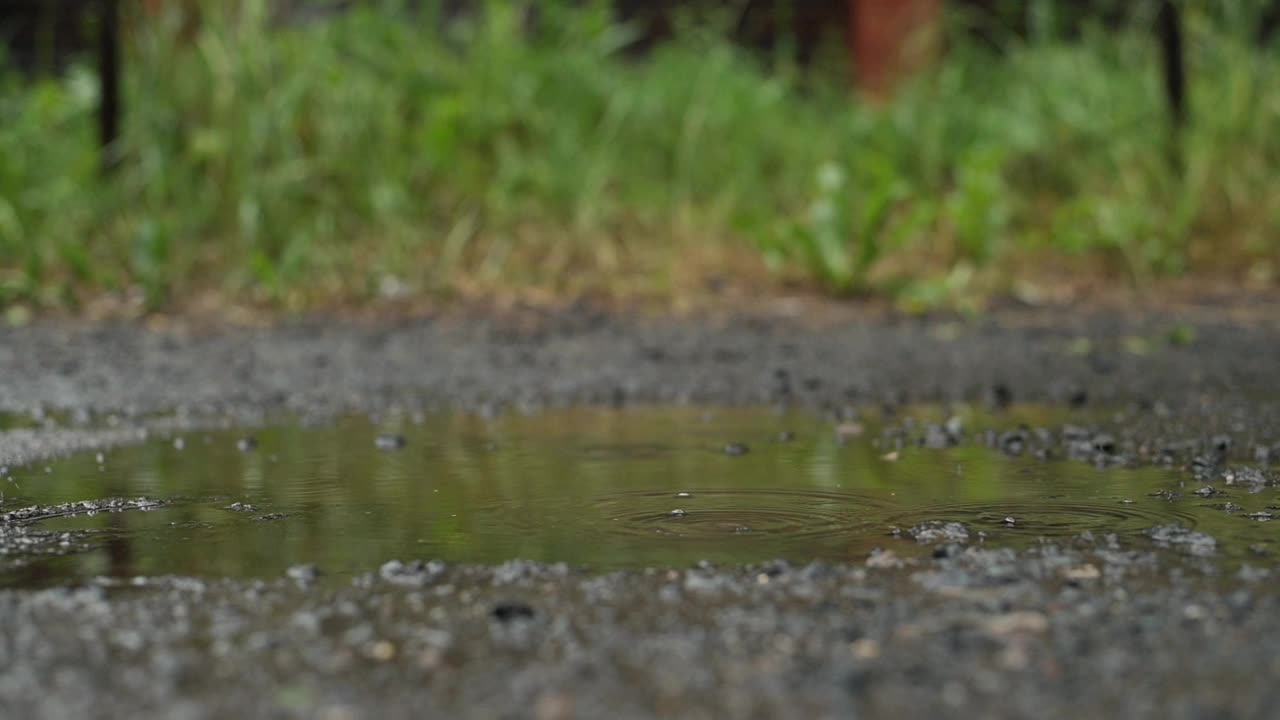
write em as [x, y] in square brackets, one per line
[609, 489]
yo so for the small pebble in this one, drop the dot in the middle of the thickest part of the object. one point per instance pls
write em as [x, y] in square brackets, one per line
[382, 651]
[1001, 396]
[736, 449]
[954, 427]
[847, 430]
[389, 441]
[509, 611]
[303, 574]
[1104, 444]
[247, 444]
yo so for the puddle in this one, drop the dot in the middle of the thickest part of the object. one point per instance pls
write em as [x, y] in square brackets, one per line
[606, 488]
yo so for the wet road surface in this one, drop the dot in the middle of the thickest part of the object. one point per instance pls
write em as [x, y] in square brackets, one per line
[1169, 622]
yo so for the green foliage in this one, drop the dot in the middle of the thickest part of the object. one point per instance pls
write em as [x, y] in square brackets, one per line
[314, 162]
[842, 232]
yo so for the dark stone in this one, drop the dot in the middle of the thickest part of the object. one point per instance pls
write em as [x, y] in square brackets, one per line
[1013, 442]
[1001, 396]
[511, 611]
[1221, 444]
[1104, 444]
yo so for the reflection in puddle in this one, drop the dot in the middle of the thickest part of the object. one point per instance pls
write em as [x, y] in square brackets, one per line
[605, 488]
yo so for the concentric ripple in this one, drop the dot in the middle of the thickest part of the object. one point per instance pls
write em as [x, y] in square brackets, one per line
[1049, 519]
[741, 513]
[608, 490]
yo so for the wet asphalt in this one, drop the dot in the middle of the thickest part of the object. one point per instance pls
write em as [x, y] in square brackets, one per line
[1091, 627]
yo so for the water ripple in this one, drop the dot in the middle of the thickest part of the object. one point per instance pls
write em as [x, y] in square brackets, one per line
[741, 513]
[1050, 519]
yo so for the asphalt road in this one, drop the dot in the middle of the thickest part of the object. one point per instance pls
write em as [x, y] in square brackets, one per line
[1090, 627]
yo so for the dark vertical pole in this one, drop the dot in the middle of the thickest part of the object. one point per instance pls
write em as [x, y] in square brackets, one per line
[109, 82]
[1169, 25]
[1268, 24]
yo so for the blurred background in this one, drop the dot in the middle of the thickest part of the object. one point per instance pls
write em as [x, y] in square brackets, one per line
[315, 154]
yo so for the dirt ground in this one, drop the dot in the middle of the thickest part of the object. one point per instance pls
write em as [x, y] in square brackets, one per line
[1091, 627]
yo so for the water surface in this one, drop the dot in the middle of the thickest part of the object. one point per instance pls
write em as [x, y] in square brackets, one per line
[606, 488]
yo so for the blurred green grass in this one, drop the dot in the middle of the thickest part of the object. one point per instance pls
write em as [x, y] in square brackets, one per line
[343, 159]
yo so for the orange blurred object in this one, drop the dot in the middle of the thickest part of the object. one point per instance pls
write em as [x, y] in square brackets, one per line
[891, 39]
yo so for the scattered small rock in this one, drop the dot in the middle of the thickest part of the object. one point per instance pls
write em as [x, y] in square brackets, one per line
[511, 611]
[935, 531]
[947, 550]
[883, 559]
[736, 449]
[1220, 444]
[1104, 444]
[1017, 622]
[303, 574]
[936, 438]
[704, 582]
[1177, 536]
[1001, 396]
[865, 649]
[1251, 574]
[415, 574]
[390, 441]
[35, 513]
[848, 430]
[1087, 571]
[1013, 442]
[1251, 478]
[247, 444]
